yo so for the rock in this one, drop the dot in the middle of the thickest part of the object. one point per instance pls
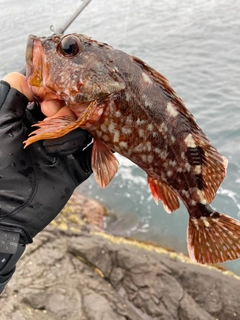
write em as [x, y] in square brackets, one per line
[81, 273]
[79, 211]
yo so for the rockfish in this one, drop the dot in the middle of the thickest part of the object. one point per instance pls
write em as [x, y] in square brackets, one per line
[130, 108]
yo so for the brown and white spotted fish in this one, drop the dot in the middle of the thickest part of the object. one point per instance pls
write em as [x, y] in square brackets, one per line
[129, 107]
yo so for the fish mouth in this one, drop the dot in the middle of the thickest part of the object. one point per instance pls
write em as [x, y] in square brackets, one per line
[30, 65]
[34, 53]
[36, 71]
[29, 56]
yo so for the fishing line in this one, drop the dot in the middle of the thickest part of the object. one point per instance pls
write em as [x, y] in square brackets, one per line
[126, 20]
[66, 24]
[61, 29]
[11, 59]
[22, 51]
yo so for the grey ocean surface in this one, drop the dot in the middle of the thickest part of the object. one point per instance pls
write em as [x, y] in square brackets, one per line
[196, 46]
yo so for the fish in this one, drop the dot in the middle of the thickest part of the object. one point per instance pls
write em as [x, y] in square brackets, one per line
[129, 107]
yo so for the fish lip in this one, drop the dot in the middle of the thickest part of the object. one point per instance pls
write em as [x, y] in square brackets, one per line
[29, 56]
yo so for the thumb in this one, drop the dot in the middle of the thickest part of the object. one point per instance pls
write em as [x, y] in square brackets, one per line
[18, 81]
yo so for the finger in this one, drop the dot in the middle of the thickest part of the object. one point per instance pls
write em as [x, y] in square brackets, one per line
[18, 81]
[64, 111]
[50, 107]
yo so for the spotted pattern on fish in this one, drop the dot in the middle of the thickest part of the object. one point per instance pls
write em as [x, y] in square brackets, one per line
[129, 107]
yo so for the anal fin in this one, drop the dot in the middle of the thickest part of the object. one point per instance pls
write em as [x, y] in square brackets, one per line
[104, 163]
[161, 191]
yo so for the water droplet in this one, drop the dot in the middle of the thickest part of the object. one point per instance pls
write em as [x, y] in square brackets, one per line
[52, 28]
[13, 164]
[1, 176]
[41, 216]
[10, 134]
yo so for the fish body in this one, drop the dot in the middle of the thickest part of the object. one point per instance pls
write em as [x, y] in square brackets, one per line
[129, 107]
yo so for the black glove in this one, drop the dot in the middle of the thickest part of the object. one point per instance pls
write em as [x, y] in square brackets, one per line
[35, 183]
[34, 186]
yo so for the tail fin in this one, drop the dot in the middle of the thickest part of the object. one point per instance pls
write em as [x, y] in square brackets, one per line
[213, 239]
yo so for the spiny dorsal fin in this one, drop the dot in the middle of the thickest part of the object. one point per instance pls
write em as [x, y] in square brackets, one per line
[164, 83]
[172, 95]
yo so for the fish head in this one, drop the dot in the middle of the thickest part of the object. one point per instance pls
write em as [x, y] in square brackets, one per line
[73, 68]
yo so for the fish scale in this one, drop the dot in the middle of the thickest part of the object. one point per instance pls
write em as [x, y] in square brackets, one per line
[129, 107]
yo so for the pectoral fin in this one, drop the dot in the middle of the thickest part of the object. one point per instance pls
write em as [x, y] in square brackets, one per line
[50, 129]
[59, 126]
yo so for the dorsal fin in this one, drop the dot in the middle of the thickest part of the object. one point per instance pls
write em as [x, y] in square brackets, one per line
[164, 83]
[208, 165]
[173, 97]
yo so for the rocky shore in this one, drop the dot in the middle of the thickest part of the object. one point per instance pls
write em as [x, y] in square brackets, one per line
[74, 270]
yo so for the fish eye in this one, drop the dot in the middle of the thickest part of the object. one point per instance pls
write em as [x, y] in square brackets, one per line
[70, 46]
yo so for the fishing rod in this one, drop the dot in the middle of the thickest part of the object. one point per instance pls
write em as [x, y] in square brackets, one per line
[67, 23]
[72, 18]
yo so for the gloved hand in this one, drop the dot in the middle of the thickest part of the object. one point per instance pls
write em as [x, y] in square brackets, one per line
[34, 186]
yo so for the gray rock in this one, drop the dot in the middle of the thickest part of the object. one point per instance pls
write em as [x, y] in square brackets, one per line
[88, 275]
